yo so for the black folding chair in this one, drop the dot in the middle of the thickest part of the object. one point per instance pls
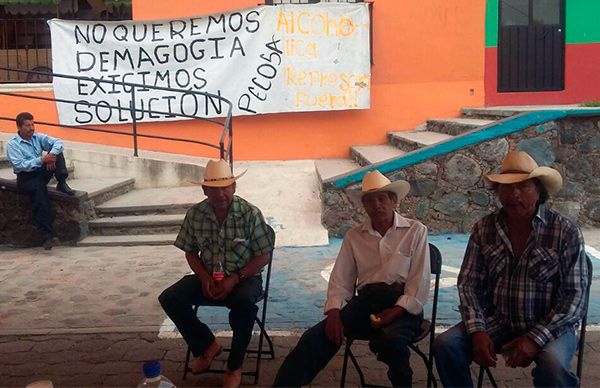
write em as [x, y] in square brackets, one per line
[427, 329]
[580, 343]
[260, 321]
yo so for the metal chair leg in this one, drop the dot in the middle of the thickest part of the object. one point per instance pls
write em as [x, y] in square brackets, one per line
[491, 377]
[489, 374]
[262, 335]
[428, 361]
[361, 376]
[345, 365]
[186, 367]
[480, 377]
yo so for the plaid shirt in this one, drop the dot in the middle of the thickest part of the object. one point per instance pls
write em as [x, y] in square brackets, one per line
[541, 294]
[243, 235]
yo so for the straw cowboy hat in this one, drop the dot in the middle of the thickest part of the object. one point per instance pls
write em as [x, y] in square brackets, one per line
[518, 166]
[374, 182]
[218, 174]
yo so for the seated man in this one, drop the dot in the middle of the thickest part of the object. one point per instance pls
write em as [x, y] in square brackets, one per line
[226, 243]
[387, 260]
[521, 284]
[34, 171]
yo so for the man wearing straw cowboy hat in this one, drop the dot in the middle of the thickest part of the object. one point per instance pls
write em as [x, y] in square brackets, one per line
[521, 284]
[386, 259]
[226, 243]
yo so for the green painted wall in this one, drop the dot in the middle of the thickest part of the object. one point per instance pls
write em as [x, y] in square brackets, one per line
[491, 23]
[582, 24]
[582, 17]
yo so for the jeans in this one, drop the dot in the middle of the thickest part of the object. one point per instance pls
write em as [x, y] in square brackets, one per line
[178, 299]
[33, 183]
[453, 355]
[390, 344]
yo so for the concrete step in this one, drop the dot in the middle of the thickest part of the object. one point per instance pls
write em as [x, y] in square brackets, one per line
[371, 154]
[124, 240]
[102, 189]
[136, 225]
[410, 141]
[488, 113]
[164, 200]
[456, 126]
[329, 168]
[4, 163]
[98, 189]
[6, 172]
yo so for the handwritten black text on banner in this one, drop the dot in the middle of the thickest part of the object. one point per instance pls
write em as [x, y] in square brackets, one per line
[268, 59]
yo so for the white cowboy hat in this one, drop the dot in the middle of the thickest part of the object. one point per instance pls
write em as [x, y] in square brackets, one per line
[218, 174]
[518, 166]
[374, 182]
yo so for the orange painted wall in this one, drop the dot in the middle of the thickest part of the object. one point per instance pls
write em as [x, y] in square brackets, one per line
[428, 62]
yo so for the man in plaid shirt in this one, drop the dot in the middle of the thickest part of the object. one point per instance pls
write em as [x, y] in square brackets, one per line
[226, 243]
[521, 285]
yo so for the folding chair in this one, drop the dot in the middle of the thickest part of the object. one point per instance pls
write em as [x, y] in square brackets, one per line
[580, 343]
[260, 321]
[427, 329]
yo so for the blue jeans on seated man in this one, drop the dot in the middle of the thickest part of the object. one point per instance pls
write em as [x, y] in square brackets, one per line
[390, 344]
[452, 351]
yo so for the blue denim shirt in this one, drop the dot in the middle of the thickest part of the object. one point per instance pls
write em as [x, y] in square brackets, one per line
[26, 155]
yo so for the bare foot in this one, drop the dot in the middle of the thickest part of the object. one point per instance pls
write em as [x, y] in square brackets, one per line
[202, 363]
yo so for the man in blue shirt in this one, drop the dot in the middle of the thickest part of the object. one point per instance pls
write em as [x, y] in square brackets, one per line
[34, 170]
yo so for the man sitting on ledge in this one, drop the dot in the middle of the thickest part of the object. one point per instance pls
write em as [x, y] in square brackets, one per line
[34, 170]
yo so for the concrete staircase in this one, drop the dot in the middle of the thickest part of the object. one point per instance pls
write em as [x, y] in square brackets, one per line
[143, 200]
[401, 142]
[150, 216]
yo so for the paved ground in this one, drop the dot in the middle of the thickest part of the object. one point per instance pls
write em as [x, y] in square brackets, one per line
[115, 359]
[89, 316]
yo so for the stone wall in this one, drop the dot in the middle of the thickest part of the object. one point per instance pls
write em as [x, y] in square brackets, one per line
[449, 193]
[70, 217]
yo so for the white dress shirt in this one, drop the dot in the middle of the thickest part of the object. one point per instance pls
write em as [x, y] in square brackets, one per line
[401, 255]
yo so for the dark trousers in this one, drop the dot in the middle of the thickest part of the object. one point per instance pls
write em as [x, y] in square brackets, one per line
[177, 301]
[33, 183]
[390, 344]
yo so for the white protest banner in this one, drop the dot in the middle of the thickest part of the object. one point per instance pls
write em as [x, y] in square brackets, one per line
[268, 59]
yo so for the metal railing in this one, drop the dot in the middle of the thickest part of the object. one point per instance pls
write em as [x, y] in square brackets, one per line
[225, 144]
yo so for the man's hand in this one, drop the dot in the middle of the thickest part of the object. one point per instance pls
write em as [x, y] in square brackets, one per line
[521, 351]
[208, 285]
[224, 287]
[50, 161]
[334, 328]
[484, 352]
[386, 316]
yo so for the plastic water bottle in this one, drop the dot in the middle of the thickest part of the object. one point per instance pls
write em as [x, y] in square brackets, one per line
[153, 377]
